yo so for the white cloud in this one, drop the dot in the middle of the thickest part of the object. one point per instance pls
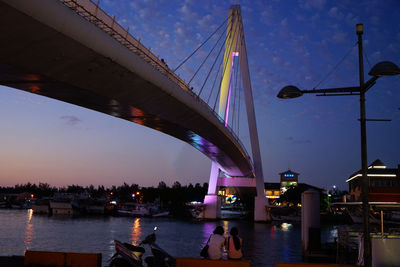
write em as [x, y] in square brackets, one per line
[351, 19]
[206, 21]
[375, 20]
[335, 13]
[284, 22]
[267, 15]
[300, 17]
[339, 37]
[376, 56]
[394, 47]
[310, 4]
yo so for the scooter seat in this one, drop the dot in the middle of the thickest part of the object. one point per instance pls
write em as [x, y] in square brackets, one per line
[134, 248]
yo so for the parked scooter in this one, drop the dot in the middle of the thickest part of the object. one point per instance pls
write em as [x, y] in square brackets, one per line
[128, 255]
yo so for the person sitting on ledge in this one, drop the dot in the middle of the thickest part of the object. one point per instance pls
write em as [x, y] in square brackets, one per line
[234, 245]
[216, 244]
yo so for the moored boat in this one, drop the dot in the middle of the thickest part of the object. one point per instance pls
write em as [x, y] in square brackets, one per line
[231, 212]
[285, 214]
[140, 210]
[41, 206]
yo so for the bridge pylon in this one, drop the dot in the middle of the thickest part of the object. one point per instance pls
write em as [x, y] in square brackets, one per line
[235, 46]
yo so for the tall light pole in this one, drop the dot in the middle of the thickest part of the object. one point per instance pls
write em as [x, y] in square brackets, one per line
[365, 180]
[381, 69]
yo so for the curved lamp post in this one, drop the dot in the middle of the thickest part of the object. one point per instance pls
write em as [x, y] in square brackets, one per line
[385, 68]
[381, 69]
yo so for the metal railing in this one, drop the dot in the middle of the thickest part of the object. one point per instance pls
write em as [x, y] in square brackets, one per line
[97, 16]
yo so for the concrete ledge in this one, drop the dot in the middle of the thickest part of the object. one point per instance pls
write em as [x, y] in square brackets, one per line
[303, 264]
[62, 259]
[194, 262]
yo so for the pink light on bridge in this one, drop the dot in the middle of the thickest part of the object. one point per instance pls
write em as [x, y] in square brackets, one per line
[234, 54]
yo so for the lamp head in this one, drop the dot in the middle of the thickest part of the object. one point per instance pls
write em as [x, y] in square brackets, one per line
[359, 28]
[289, 91]
[384, 68]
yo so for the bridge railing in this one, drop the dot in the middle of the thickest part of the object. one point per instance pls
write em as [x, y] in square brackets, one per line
[93, 13]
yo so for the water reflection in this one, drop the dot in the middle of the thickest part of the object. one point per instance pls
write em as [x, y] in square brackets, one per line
[208, 229]
[286, 226]
[29, 231]
[333, 232]
[30, 213]
[226, 227]
[272, 232]
[136, 231]
[264, 244]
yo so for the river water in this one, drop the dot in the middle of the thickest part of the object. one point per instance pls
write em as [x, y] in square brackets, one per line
[264, 244]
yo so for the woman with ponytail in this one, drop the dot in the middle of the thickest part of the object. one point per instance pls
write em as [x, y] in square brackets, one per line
[234, 245]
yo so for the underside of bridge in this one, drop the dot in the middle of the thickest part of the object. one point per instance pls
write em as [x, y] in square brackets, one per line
[74, 61]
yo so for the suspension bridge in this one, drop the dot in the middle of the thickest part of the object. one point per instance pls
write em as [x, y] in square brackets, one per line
[73, 51]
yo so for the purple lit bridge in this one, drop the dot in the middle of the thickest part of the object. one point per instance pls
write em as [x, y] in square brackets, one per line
[74, 52]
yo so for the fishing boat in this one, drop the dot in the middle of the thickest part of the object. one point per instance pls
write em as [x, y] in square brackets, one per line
[140, 210]
[232, 212]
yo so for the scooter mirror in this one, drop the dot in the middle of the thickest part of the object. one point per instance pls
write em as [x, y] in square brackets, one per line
[150, 239]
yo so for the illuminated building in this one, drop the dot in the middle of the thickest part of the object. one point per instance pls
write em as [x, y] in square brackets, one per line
[288, 179]
[384, 183]
[272, 190]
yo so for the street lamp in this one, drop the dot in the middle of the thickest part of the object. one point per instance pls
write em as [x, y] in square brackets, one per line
[381, 69]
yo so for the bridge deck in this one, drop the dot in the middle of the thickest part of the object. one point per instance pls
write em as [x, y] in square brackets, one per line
[51, 50]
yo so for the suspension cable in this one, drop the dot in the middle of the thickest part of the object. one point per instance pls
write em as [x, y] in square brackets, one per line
[212, 67]
[212, 49]
[209, 37]
[225, 63]
[236, 87]
[227, 54]
[232, 73]
[366, 57]
[215, 79]
[233, 89]
[238, 119]
[235, 92]
[240, 83]
[216, 98]
[335, 67]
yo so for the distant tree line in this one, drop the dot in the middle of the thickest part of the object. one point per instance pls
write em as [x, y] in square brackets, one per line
[173, 198]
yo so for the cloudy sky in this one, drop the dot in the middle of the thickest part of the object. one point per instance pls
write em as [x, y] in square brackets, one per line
[288, 42]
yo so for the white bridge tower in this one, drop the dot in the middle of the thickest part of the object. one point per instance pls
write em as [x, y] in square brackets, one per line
[235, 46]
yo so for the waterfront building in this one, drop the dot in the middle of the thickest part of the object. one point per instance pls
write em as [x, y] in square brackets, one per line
[272, 190]
[288, 179]
[384, 183]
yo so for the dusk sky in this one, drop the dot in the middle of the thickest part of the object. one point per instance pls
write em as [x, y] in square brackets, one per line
[288, 43]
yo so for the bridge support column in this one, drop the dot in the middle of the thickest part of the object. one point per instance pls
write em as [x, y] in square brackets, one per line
[212, 208]
[212, 202]
[260, 209]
